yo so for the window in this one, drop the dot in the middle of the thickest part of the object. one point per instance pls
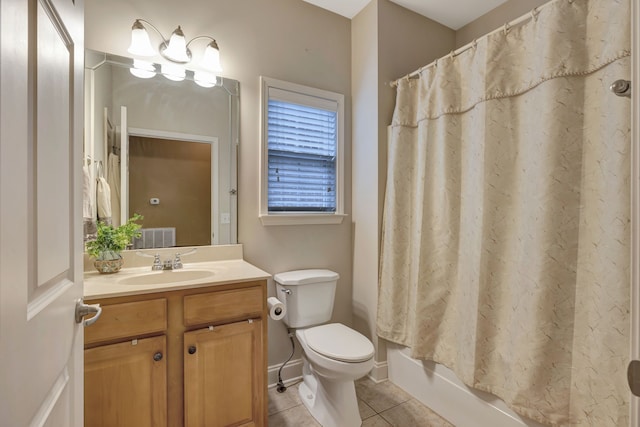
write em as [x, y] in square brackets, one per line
[302, 146]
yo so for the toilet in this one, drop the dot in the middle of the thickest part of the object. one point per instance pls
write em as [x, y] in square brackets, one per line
[334, 356]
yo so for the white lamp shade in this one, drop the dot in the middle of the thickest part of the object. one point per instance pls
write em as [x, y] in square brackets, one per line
[176, 50]
[142, 69]
[204, 79]
[140, 43]
[173, 72]
[211, 58]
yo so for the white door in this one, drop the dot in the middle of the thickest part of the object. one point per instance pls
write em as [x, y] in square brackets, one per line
[41, 121]
[124, 165]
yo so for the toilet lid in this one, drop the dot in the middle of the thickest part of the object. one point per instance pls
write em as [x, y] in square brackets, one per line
[339, 342]
[305, 277]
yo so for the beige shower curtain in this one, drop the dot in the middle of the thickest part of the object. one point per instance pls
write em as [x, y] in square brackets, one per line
[506, 222]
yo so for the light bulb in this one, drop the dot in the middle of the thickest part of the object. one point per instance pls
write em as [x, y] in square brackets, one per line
[142, 69]
[204, 79]
[173, 72]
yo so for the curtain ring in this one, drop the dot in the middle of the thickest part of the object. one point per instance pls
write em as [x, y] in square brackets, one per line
[435, 63]
[534, 14]
[506, 28]
[474, 43]
[452, 54]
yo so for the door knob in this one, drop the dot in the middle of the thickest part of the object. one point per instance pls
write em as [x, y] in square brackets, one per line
[83, 309]
[157, 357]
[621, 88]
[192, 349]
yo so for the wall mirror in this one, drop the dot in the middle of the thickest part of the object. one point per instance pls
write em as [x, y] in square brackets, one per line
[167, 149]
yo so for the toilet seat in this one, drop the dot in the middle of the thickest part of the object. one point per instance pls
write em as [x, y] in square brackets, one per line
[338, 342]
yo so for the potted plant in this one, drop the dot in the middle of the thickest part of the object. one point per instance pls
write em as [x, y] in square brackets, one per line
[110, 242]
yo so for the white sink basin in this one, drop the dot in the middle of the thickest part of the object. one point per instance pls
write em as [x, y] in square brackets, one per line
[165, 277]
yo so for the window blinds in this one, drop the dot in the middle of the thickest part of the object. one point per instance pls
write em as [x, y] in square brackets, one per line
[302, 143]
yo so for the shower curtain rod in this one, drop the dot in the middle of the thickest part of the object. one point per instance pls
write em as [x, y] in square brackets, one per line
[506, 27]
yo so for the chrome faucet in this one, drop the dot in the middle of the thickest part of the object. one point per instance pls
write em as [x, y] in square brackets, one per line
[157, 264]
[177, 261]
[167, 264]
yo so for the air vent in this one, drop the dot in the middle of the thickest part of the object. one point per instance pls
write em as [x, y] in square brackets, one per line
[156, 238]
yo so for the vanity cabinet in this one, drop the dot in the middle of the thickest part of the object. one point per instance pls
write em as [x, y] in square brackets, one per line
[191, 357]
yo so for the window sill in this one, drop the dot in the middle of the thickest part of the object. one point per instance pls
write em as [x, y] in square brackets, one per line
[301, 219]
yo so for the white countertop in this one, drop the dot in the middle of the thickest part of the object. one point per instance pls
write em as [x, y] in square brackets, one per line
[98, 285]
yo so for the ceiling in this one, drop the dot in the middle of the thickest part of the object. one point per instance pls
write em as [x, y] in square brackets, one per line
[452, 13]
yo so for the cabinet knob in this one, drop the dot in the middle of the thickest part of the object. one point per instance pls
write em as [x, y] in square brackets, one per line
[192, 349]
[157, 357]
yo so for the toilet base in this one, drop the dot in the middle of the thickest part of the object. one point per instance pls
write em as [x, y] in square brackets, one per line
[332, 403]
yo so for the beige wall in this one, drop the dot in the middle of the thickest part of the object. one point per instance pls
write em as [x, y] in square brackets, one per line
[388, 41]
[494, 19]
[284, 39]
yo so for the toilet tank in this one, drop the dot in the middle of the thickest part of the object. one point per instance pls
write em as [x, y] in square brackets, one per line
[307, 296]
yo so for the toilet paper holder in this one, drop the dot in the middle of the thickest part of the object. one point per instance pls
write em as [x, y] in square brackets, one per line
[276, 308]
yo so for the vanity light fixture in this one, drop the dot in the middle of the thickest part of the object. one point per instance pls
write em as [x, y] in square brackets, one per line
[176, 51]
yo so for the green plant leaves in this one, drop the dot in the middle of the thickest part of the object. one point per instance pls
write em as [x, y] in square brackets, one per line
[110, 241]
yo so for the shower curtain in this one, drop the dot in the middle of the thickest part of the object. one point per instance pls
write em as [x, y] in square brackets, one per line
[505, 249]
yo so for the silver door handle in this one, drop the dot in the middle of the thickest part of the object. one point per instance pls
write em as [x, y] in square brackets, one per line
[83, 309]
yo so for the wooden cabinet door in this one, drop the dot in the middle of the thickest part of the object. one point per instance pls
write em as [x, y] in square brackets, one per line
[223, 378]
[126, 384]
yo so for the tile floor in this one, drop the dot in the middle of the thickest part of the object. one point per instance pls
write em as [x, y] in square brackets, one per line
[381, 405]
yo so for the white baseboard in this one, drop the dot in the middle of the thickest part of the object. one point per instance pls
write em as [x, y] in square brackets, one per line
[438, 388]
[291, 373]
[380, 372]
